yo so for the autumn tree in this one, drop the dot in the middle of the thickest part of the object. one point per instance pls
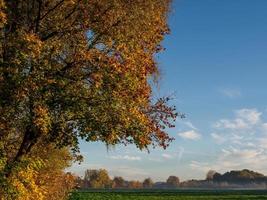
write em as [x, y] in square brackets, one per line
[79, 183]
[118, 182]
[73, 69]
[97, 178]
[173, 181]
[148, 183]
[40, 176]
[134, 185]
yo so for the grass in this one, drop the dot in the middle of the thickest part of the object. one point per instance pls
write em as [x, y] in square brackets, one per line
[169, 195]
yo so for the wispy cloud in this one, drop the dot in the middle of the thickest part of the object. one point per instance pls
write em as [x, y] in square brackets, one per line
[234, 159]
[244, 119]
[231, 124]
[128, 172]
[190, 135]
[126, 157]
[155, 159]
[230, 93]
[264, 127]
[180, 153]
[244, 143]
[190, 125]
[252, 116]
[200, 166]
[167, 156]
[218, 138]
[186, 124]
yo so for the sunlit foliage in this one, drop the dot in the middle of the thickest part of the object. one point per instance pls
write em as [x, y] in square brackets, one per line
[40, 176]
[73, 69]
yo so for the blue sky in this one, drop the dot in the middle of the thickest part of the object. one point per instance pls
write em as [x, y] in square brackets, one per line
[216, 65]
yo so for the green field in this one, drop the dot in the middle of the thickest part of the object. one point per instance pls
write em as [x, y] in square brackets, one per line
[170, 195]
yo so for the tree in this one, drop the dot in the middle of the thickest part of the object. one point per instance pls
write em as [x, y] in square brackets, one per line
[135, 185]
[243, 176]
[210, 175]
[74, 69]
[97, 178]
[173, 181]
[118, 182]
[40, 176]
[217, 176]
[148, 183]
[79, 183]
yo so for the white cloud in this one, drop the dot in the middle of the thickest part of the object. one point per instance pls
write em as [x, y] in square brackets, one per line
[235, 159]
[235, 153]
[167, 156]
[190, 135]
[126, 157]
[243, 131]
[231, 124]
[252, 116]
[250, 144]
[245, 143]
[190, 125]
[200, 166]
[231, 93]
[252, 158]
[262, 142]
[155, 159]
[264, 127]
[129, 173]
[218, 138]
[244, 119]
[186, 124]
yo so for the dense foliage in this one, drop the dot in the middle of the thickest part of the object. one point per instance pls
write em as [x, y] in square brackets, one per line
[73, 69]
[39, 176]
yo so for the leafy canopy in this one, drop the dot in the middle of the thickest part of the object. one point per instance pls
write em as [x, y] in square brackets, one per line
[73, 69]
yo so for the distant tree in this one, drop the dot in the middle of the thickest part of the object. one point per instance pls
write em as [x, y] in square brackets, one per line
[217, 176]
[173, 181]
[243, 176]
[148, 183]
[118, 182]
[79, 183]
[210, 175]
[135, 185]
[97, 178]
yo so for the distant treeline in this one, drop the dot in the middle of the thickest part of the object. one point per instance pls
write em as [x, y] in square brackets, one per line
[99, 178]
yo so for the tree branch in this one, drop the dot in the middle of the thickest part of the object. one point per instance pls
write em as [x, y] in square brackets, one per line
[52, 9]
[37, 21]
